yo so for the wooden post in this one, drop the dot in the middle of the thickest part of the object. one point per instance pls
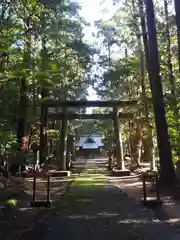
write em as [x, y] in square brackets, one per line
[48, 188]
[157, 188]
[34, 187]
[118, 150]
[63, 141]
[144, 189]
[34, 180]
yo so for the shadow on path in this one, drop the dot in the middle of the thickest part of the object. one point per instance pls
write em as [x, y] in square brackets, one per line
[95, 210]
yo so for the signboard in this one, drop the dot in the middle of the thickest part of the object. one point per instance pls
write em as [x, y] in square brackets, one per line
[25, 159]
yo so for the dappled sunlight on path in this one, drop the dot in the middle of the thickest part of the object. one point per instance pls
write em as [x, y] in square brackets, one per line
[94, 209]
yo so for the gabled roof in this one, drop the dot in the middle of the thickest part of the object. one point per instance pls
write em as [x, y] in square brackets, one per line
[89, 142]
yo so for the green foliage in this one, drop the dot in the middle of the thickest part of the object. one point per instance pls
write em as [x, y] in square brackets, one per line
[41, 44]
[119, 76]
[8, 141]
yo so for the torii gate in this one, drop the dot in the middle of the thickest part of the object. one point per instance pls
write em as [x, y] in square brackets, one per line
[65, 116]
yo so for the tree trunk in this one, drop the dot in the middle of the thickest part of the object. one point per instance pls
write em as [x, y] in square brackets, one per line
[23, 101]
[149, 150]
[145, 38]
[23, 107]
[166, 165]
[44, 94]
[136, 144]
[43, 129]
[30, 137]
[169, 63]
[170, 74]
[177, 9]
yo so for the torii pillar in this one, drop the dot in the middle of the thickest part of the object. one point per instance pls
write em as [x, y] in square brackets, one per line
[63, 141]
[121, 171]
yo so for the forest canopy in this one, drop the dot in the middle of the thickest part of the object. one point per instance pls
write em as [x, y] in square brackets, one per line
[43, 54]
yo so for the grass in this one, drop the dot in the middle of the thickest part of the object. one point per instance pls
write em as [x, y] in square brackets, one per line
[11, 202]
[91, 179]
[94, 171]
[88, 179]
[89, 184]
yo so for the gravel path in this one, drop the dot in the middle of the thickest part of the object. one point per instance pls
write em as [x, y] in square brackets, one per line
[95, 210]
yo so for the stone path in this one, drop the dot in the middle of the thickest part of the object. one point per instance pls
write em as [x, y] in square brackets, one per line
[94, 209]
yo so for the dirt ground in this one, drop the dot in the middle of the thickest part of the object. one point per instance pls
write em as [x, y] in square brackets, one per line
[21, 221]
[96, 209]
[170, 210]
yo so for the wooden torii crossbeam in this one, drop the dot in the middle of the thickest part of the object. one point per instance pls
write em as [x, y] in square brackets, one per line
[52, 103]
[82, 104]
[71, 116]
